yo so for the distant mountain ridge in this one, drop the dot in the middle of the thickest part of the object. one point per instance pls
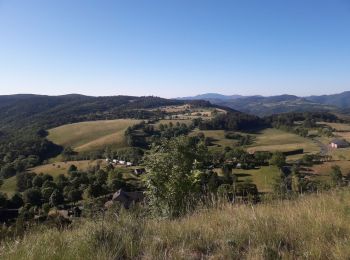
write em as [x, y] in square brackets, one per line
[341, 100]
[265, 106]
[211, 96]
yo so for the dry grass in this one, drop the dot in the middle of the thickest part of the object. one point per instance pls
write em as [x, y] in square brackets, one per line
[89, 136]
[344, 135]
[340, 154]
[326, 168]
[338, 126]
[313, 227]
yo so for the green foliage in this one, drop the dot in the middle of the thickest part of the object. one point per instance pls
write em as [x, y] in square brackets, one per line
[278, 159]
[32, 196]
[170, 180]
[74, 195]
[280, 185]
[46, 193]
[231, 121]
[336, 176]
[72, 168]
[24, 180]
[3, 200]
[56, 198]
[16, 201]
[246, 190]
[7, 171]
[37, 181]
[226, 191]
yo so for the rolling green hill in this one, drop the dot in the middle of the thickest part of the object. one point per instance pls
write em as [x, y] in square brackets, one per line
[87, 136]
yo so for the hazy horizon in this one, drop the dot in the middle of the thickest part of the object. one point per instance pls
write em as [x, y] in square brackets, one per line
[183, 96]
[174, 49]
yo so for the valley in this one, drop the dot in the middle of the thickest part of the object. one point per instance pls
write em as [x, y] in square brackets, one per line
[72, 164]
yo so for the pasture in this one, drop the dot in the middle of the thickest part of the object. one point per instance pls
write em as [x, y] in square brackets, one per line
[338, 126]
[57, 168]
[189, 112]
[217, 136]
[340, 154]
[262, 177]
[272, 139]
[93, 135]
[325, 169]
[9, 186]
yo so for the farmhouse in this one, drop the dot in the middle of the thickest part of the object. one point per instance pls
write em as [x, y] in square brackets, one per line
[125, 198]
[139, 171]
[339, 143]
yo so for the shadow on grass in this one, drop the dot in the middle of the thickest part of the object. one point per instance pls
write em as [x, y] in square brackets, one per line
[243, 174]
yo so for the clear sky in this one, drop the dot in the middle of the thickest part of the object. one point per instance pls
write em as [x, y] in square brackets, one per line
[174, 48]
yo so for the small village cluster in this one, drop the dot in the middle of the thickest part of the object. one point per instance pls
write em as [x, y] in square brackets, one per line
[137, 171]
[119, 162]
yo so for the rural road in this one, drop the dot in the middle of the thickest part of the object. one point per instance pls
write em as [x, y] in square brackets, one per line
[323, 147]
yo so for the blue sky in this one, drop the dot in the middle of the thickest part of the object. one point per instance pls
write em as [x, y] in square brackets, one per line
[174, 48]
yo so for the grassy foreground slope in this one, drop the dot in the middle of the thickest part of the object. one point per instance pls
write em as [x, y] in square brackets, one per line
[88, 136]
[313, 227]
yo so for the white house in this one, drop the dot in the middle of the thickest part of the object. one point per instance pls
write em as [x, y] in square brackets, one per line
[128, 163]
[339, 143]
[122, 162]
[115, 161]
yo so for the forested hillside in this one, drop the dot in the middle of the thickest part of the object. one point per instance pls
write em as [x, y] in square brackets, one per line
[25, 119]
[341, 100]
[265, 106]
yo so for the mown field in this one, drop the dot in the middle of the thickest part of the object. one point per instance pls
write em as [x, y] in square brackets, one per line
[9, 186]
[311, 227]
[262, 177]
[325, 169]
[89, 136]
[217, 136]
[338, 126]
[271, 139]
